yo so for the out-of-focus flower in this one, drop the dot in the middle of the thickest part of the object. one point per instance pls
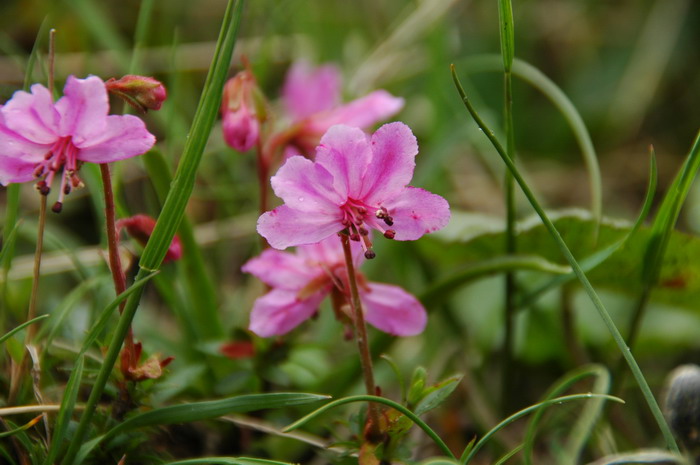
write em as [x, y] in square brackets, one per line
[152, 368]
[242, 111]
[301, 280]
[142, 92]
[311, 97]
[354, 184]
[40, 138]
[140, 227]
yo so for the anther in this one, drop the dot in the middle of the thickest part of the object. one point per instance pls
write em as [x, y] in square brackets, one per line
[38, 171]
[43, 188]
[66, 189]
[354, 237]
[57, 207]
[388, 220]
[369, 254]
[363, 231]
[389, 233]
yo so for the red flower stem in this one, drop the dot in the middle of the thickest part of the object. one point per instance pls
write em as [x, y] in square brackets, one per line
[373, 432]
[115, 263]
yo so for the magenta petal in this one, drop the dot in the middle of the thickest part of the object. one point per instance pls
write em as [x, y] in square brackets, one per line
[241, 129]
[363, 112]
[307, 186]
[308, 91]
[416, 212]
[279, 311]
[123, 137]
[329, 252]
[83, 109]
[393, 310]
[394, 149]
[345, 152]
[14, 170]
[282, 270]
[33, 116]
[285, 227]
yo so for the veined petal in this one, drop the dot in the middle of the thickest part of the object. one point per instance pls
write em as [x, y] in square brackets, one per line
[279, 311]
[394, 149]
[307, 186]
[345, 152]
[123, 137]
[282, 270]
[14, 170]
[308, 91]
[32, 115]
[416, 212]
[83, 109]
[363, 112]
[329, 252]
[393, 310]
[285, 227]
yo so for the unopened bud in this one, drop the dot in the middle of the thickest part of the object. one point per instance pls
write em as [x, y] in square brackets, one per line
[141, 92]
[140, 227]
[243, 109]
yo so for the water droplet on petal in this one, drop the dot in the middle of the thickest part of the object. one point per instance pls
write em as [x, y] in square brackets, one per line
[301, 199]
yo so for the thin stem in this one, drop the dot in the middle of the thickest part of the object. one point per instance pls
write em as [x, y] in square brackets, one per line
[52, 59]
[511, 248]
[588, 287]
[373, 431]
[115, 263]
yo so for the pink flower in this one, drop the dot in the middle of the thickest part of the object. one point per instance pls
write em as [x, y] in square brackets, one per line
[140, 227]
[240, 112]
[40, 138]
[300, 282]
[312, 99]
[354, 184]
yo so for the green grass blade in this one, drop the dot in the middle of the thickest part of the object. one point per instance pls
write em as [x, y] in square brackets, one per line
[507, 33]
[602, 385]
[509, 455]
[504, 264]
[14, 331]
[19, 429]
[143, 24]
[528, 410]
[70, 397]
[592, 294]
[206, 410]
[174, 208]
[549, 89]
[380, 400]
[641, 457]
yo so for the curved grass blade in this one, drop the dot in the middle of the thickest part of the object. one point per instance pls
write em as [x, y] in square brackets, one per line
[592, 294]
[585, 421]
[205, 410]
[174, 207]
[24, 427]
[534, 77]
[14, 331]
[526, 411]
[380, 400]
[507, 263]
[509, 455]
[641, 457]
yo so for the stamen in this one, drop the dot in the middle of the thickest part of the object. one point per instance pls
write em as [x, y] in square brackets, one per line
[388, 220]
[363, 231]
[369, 254]
[57, 207]
[389, 233]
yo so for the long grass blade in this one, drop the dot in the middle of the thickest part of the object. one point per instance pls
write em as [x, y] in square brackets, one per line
[227, 461]
[70, 396]
[592, 294]
[14, 331]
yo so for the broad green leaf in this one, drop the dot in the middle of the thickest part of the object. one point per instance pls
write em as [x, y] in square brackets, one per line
[679, 281]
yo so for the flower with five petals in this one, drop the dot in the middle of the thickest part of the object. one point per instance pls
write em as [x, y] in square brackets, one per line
[356, 183]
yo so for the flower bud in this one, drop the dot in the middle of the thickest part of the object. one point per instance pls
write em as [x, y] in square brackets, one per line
[243, 108]
[141, 92]
[140, 228]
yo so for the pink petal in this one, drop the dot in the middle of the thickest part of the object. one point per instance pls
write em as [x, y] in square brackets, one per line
[363, 112]
[281, 270]
[285, 227]
[394, 149]
[15, 170]
[416, 212]
[280, 311]
[345, 152]
[393, 310]
[32, 115]
[241, 129]
[306, 186]
[307, 91]
[83, 109]
[329, 252]
[123, 137]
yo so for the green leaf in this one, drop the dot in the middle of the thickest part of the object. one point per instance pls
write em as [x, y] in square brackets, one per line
[436, 395]
[14, 331]
[507, 33]
[227, 461]
[641, 457]
[70, 397]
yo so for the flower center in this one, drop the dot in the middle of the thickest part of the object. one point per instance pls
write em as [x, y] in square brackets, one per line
[357, 214]
[62, 156]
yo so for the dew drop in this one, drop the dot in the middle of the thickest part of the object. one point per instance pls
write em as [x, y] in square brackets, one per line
[301, 199]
